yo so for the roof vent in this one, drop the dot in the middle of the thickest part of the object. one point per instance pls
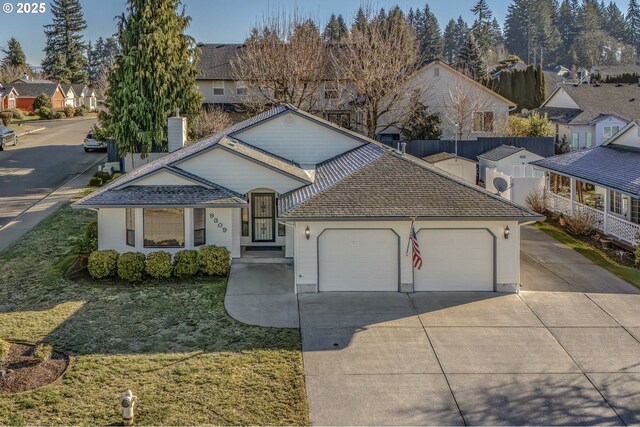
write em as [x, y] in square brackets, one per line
[632, 99]
[618, 85]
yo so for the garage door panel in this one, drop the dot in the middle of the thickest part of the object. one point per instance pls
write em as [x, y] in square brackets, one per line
[455, 260]
[358, 260]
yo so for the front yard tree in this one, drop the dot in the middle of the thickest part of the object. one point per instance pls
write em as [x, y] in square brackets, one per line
[420, 124]
[14, 55]
[154, 74]
[377, 59]
[64, 53]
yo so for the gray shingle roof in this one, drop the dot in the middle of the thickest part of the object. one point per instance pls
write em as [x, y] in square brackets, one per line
[438, 157]
[611, 167]
[622, 100]
[164, 195]
[392, 186]
[500, 152]
[32, 90]
[215, 60]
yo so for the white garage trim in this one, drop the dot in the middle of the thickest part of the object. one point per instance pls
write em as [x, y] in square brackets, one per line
[494, 251]
[346, 230]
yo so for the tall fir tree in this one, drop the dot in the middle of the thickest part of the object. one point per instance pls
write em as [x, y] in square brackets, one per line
[470, 60]
[335, 29]
[633, 24]
[428, 34]
[154, 74]
[495, 33]
[14, 55]
[462, 31]
[64, 53]
[614, 22]
[360, 22]
[481, 27]
[450, 42]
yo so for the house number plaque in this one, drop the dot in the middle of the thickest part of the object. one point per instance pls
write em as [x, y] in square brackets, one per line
[217, 221]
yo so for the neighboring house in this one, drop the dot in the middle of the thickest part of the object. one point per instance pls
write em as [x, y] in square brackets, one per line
[467, 109]
[85, 96]
[28, 92]
[604, 182]
[70, 99]
[27, 79]
[458, 166]
[8, 97]
[612, 71]
[587, 115]
[511, 165]
[509, 160]
[338, 204]
[220, 88]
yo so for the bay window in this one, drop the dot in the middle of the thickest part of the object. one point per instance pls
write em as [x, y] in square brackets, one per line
[163, 227]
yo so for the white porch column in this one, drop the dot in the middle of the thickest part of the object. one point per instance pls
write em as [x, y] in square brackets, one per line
[188, 228]
[573, 193]
[607, 204]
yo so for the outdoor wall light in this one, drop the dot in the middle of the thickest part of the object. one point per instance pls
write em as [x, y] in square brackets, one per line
[506, 232]
[307, 232]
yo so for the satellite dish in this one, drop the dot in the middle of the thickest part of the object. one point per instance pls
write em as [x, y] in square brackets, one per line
[500, 184]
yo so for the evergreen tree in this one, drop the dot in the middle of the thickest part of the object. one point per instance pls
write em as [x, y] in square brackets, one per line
[14, 55]
[495, 33]
[470, 60]
[481, 27]
[614, 22]
[154, 75]
[450, 42]
[515, 26]
[420, 124]
[102, 56]
[64, 50]
[335, 29]
[428, 34]
[360, 22]
[565, 23]
[462, 31]
[633, 24]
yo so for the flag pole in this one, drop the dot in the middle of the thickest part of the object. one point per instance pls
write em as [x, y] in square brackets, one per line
[413, 219]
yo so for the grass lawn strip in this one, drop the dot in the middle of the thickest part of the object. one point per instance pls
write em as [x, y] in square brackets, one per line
[174, 346]
[631, 275]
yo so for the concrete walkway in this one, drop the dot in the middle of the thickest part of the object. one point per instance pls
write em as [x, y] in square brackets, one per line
[549, 265]
[31, 217]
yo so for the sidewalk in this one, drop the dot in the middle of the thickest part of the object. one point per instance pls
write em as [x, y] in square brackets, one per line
[45, 207]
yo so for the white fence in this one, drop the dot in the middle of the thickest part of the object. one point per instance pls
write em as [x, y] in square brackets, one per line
[608, 224]
[519, 187]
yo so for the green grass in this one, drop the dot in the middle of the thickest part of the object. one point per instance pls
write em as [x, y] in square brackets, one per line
[174, 346]
[631, 275]
[25, 119]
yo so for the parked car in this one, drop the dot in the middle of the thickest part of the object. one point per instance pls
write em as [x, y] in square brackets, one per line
[7, 137]
[91, 144]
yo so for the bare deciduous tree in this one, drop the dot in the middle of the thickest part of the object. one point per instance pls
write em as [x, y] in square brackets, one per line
[373, 64]
[283, 62]
[208, 122]
[461, 108]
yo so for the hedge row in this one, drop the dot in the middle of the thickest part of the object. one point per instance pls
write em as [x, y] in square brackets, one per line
[133, 266]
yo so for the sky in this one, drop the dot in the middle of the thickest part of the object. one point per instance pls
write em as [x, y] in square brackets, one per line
[221, 21]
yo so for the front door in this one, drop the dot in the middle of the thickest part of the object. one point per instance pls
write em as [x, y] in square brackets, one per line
[263, 217]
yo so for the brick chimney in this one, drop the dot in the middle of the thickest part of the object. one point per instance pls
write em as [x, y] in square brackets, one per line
[177, 132]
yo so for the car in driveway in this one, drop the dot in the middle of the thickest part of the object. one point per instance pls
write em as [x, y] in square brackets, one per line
[7, 137]
[90, 144]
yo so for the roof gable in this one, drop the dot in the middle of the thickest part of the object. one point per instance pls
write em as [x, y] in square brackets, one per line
[628, 136]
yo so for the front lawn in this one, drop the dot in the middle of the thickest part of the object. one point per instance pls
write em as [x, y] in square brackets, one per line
[174, 346]
[630, 274]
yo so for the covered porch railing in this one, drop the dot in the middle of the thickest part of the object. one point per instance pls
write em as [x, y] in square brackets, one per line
[605, 222]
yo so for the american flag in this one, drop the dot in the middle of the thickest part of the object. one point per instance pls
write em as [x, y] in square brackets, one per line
[415, 248]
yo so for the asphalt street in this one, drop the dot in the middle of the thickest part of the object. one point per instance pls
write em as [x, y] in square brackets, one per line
[41, 163]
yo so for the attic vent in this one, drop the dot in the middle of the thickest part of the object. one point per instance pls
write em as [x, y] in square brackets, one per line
[289, 120]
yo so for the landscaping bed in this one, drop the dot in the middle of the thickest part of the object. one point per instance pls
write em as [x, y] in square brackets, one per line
[20, 371]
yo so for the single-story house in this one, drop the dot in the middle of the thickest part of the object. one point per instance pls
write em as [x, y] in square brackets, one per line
[70, 95]
[336, 203]
[8, 96]
[78, 95]
[28, 92]
[461, 167]
[587, 115]
[603, 181]
[467, 109]
[509, 160]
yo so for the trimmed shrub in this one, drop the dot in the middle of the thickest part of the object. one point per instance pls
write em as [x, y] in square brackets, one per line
[214, 260]
[159, 265]
[69, 111]
[17, 113]
[81, 111]
[41, 101]
[103, 264]
[535, 201]
[186, 263]
[6, 117]
[45, 113]
[89, 241]
[58, 115]
[4, 348]
[99, 179]
[42, 352]
[131, 266]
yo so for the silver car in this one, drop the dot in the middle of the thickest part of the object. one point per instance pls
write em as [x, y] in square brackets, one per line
[91, 144]
[7, 137]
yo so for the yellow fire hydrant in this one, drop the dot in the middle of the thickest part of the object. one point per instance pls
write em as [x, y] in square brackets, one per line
[128, 401]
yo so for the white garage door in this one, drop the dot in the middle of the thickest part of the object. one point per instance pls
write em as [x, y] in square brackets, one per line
[455, 260]
[358, 260]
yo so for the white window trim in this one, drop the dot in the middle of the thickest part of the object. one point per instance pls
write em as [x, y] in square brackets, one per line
[240, 85]
[611, 132]
[221, 86]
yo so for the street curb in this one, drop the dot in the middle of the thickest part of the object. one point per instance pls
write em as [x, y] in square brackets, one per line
[30, 131]
[68, 119]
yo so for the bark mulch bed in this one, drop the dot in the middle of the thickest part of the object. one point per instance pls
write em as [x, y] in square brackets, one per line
[22, 372]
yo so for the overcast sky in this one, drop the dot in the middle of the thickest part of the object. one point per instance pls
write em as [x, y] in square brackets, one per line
[220, 20]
